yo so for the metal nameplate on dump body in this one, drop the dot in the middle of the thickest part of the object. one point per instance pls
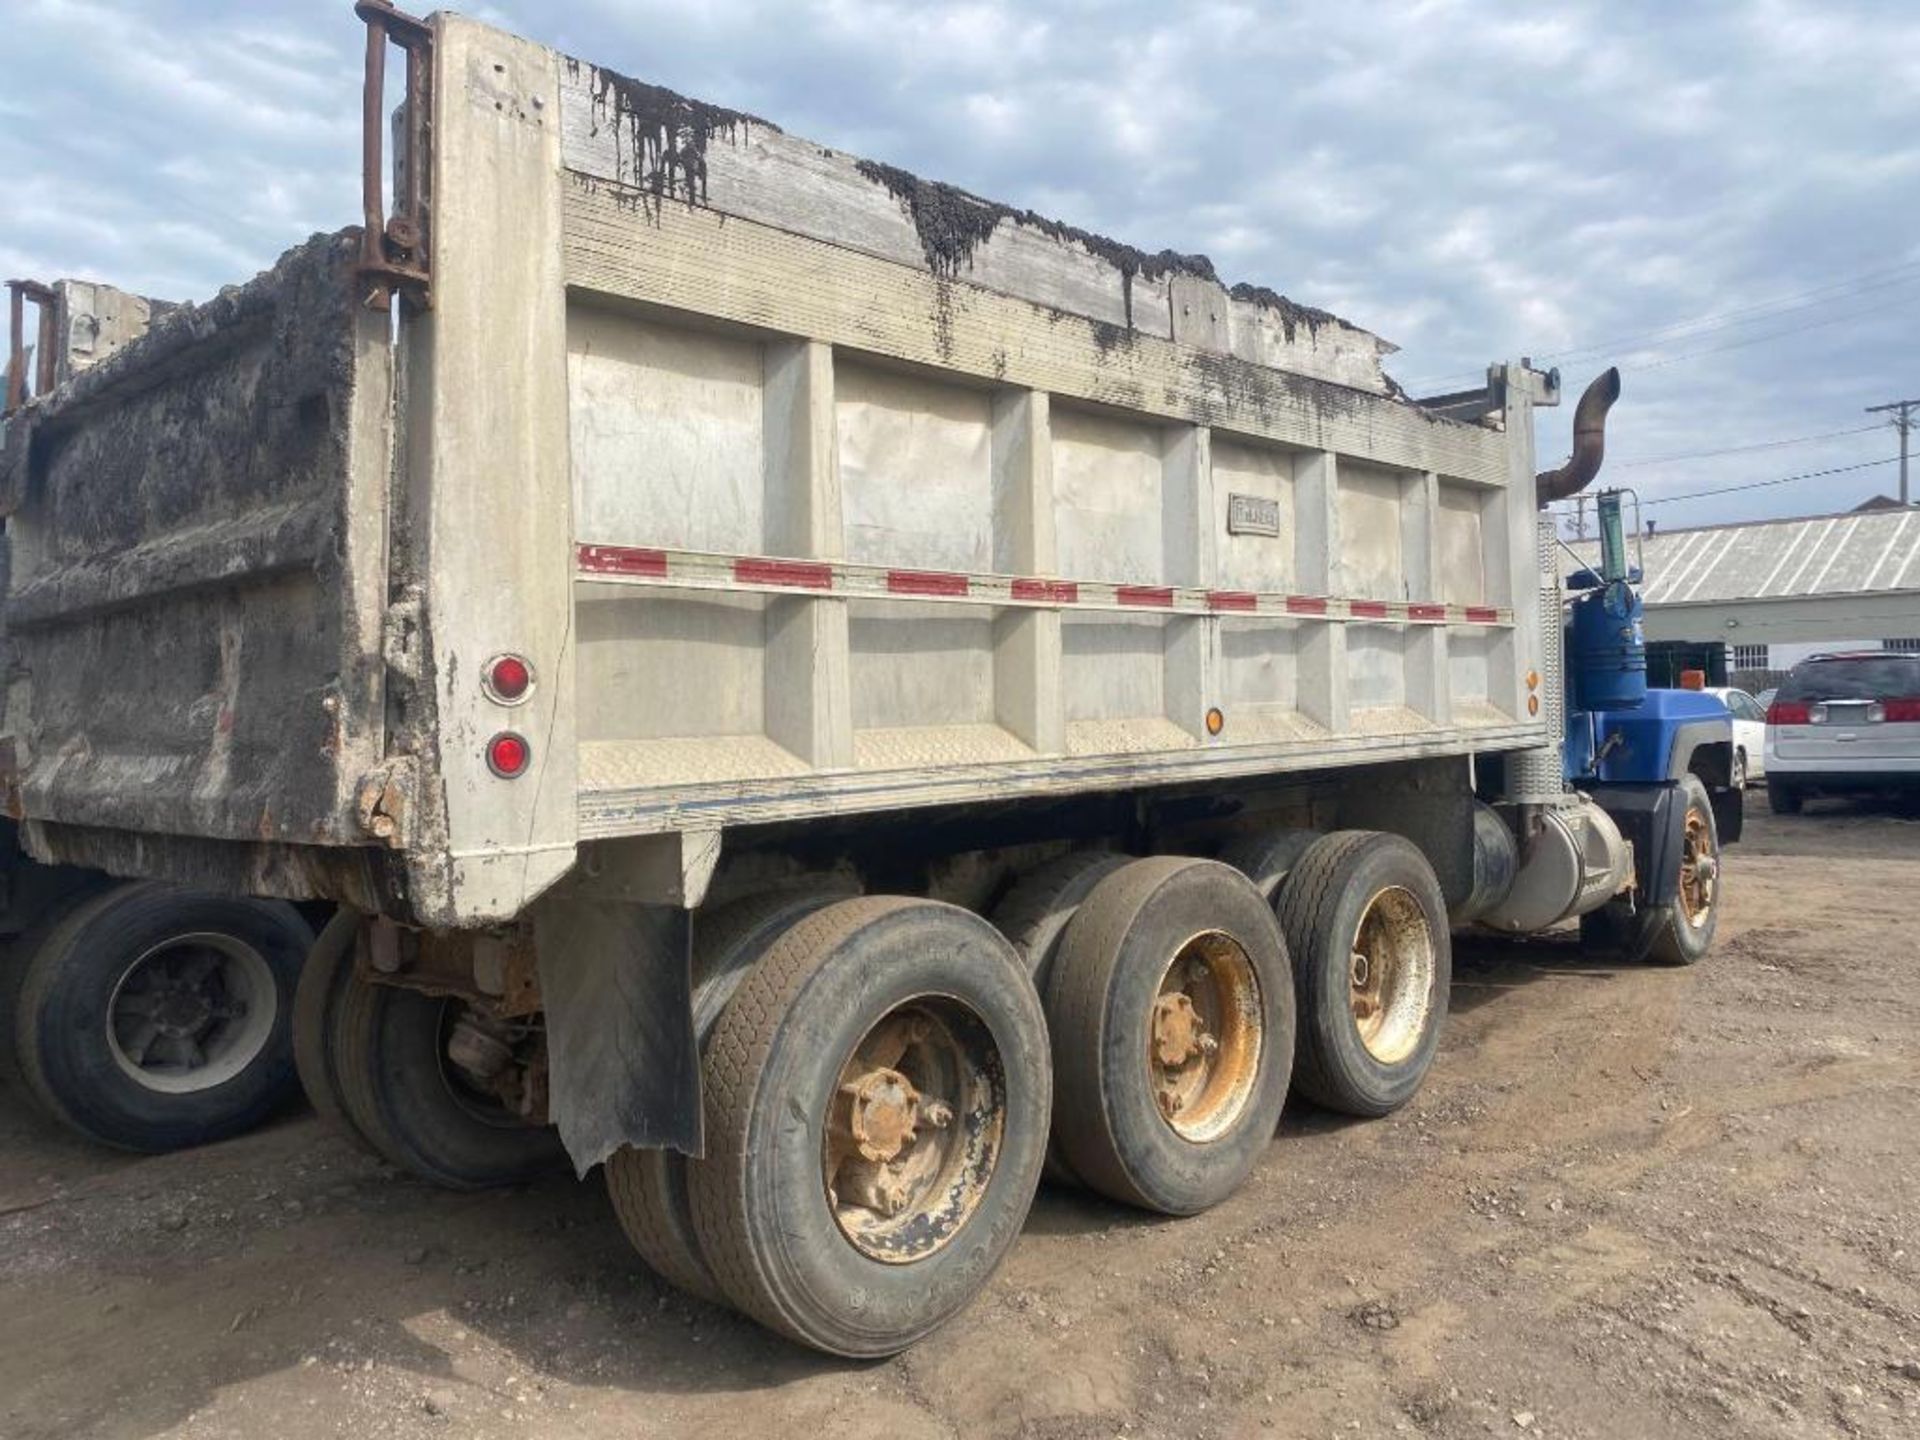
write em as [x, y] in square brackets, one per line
[1252, 515]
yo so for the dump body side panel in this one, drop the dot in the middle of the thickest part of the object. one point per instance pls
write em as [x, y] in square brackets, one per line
[886, 496]
[197, 527]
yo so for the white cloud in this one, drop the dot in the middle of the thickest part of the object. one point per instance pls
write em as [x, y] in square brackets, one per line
[1472, 182]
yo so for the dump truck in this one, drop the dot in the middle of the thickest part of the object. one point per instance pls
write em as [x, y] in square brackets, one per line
[138, 1014]
[819, 693]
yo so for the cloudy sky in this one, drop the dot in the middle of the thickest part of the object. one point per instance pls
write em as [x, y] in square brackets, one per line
[1723, 197]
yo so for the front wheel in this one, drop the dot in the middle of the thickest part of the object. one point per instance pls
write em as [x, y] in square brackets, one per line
[1686, 934]
[1681, 931]
[1738, 780]
[151, 1018]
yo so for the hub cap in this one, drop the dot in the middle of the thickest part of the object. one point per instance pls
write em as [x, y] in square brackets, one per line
[1699, 869]
[1204, 1037]
[1391, 973]
[191, 1013]
[914, 1130]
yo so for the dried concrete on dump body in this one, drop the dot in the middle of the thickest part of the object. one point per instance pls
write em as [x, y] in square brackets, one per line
[1628, 1203]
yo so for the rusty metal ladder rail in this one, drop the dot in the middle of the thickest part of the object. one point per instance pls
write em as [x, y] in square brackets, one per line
[19, 292]
[393, 248]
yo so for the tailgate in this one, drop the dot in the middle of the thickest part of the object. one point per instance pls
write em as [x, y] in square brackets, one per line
[197, 529]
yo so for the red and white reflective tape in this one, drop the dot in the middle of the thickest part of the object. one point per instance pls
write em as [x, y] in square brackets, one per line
[686, 569]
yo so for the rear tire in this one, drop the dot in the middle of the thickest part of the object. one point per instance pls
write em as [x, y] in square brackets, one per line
[14, 955]
[1372, 965]
[1738, 779]
[854, 1017]
[1033, 917]
[1782, 798]
[151, 1018]
[1170, 1009]
[649, 1187]
[396, 1086]
[1265, 859]
[329, 969]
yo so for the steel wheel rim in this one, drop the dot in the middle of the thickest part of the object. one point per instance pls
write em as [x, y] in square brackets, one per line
[191, 1012]
[1205, 1035]
[1699, 871]
[1390, 973]
[914, 1129]
[468, 1092]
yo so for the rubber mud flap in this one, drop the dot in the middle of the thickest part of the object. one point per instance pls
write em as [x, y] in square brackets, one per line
[616, 983]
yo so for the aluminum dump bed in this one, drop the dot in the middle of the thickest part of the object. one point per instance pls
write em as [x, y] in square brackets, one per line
[804, 487]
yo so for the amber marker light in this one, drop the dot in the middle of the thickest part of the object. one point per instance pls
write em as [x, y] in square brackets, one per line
[1216, 722]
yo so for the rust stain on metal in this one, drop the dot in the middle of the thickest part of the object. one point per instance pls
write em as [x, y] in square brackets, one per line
[1391, 975]
[382, 805]
[1205, 1036]
[912, 1131]
[393, 250]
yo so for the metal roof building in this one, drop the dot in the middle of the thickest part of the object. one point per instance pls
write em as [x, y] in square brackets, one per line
[1778, 590]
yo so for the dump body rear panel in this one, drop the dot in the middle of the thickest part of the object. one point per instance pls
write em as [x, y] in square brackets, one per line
[197, 533]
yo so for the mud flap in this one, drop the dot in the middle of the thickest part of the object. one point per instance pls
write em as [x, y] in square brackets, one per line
[1729, 814]
[623, 1067]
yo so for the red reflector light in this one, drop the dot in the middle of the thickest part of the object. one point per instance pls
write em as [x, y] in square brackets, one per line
[508, 755]
[1783, 713]
[507, 678]
[1902, 712]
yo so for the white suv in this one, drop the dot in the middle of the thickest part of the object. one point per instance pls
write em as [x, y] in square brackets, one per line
[1844, 724]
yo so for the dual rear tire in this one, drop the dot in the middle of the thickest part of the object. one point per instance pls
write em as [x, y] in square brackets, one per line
[151, 1018]
[1170, 1009]
[1372, 965]
[374, 1061]
[882, 1075]
[877, 1093]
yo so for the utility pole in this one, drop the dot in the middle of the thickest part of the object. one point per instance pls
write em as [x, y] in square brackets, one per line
[1903, 422]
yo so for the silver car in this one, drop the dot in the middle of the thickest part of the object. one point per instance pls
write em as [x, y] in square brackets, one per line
[1844, 724]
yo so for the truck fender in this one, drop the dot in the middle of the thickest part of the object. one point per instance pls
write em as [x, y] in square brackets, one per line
[1653, 819]
[1703, 748]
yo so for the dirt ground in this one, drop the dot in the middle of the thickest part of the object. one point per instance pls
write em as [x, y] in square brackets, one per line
[1627, 1203]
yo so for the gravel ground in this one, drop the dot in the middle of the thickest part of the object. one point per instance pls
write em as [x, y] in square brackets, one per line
[1629, 1202]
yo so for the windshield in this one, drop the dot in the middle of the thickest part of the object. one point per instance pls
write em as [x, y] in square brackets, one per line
[1867, 677]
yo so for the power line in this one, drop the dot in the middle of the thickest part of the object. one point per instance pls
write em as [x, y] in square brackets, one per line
[1750, 485]
[1764, 484]
[1743, 449]
[1661, 364]
[1763, 310]
[1903, 273]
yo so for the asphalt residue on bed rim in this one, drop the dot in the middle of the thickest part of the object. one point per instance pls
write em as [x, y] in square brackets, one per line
[952, 224]
[666, 133]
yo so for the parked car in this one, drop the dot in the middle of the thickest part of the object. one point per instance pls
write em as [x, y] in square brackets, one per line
[1844, 724]
[1765, 697]
[1749, 732]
